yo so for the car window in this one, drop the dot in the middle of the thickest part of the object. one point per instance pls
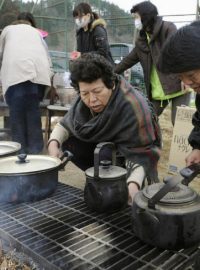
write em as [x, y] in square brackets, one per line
[119, 51]
[134, 74]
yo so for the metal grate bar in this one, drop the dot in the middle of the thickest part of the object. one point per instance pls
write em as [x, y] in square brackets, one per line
[63, 233]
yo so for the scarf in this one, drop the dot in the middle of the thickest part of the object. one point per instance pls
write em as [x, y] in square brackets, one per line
[128, 121]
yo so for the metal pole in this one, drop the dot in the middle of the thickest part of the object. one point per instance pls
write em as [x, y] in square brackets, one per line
[197, 10]
[2, 4]
[32, 10]
[66, 37]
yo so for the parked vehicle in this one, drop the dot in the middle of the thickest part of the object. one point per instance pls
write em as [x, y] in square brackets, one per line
[135, 74]
[59, 60]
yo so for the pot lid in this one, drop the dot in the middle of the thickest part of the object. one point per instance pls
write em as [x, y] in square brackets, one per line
[31, 164]
[180, 194]
[9, 147]
[107, 172]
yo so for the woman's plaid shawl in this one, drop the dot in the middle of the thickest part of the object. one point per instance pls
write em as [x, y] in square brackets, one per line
[128, 121]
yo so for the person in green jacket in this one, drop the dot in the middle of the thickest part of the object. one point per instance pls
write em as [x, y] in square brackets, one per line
[153, 33]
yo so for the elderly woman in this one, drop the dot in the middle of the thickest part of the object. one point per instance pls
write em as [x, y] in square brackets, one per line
[108, 109]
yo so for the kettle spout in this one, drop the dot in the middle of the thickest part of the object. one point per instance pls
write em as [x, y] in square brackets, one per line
[147, 222]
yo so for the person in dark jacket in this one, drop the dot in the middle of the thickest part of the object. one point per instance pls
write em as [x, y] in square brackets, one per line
[181, 56]
[109, 109]
[91, 33]
[160, 88]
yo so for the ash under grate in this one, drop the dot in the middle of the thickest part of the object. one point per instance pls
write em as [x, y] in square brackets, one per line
[61, 233]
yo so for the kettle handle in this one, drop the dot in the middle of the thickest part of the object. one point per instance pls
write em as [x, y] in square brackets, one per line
[97, 150]
[172, 181]
[188, 173]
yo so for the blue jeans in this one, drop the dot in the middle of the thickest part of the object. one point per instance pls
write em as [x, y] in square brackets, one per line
[25, 116]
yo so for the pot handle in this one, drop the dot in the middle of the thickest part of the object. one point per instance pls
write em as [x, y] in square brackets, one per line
[189, 173]
[68, 155]
[172, 182]
[96, 156]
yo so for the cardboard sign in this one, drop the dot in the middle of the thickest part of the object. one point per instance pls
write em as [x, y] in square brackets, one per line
[180, 147]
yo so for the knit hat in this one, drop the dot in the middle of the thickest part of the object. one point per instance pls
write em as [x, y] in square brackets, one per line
[181, 52]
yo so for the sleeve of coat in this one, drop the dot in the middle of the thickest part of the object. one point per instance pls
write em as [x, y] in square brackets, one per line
[49, 59]
[2, 44]
[194, 137]
[170, 29]
[130, 60]
[101, 41]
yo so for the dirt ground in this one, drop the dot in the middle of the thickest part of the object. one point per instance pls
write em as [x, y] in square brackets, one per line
[75, 177]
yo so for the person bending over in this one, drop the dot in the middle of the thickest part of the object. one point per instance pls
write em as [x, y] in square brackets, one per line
[181, 56]
[108, 109]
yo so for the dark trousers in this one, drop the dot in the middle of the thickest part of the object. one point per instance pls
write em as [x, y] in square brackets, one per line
[83, 153]
[177, 101]
[25, 116]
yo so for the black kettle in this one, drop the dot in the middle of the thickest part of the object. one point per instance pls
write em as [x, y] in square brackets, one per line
[106, 188]
[167, 215]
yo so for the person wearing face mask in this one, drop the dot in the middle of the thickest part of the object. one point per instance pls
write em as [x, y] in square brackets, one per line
[153, 33]
[91, 33]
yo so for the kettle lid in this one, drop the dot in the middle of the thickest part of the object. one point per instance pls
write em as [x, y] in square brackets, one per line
[107, 171]
[179, 194]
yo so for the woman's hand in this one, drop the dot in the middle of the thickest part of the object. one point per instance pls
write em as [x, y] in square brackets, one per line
[74, 55]
[53, 149]
[194, 157]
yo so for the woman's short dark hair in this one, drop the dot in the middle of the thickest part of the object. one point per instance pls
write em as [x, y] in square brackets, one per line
[91, 67]
[181, 52]
[83, 9]
[148, 13]
[27, 16]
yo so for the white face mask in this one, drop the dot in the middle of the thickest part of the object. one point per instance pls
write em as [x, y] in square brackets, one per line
[138, 24]
[82, 22]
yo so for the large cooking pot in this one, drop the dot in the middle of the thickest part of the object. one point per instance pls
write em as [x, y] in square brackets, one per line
[8, 148]
[167, 215]
[29, 178]
[106, 188]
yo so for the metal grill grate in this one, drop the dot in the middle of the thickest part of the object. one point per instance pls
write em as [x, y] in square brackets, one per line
[61, 233]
